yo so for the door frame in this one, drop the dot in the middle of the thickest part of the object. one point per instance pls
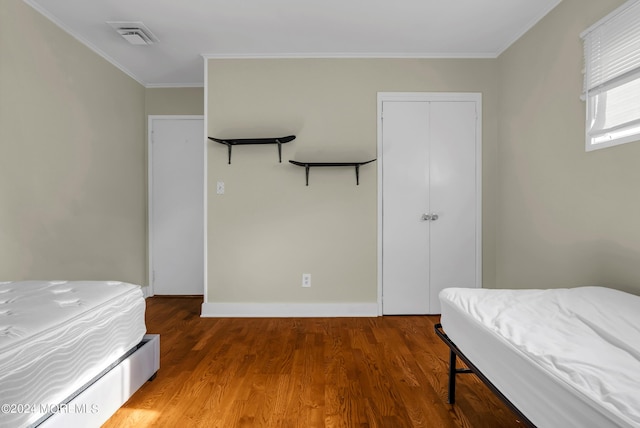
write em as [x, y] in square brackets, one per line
[150, 123]
[430, 97]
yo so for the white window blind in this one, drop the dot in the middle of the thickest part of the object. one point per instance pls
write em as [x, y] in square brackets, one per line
[612, 78]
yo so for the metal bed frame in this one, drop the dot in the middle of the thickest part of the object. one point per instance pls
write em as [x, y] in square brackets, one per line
[454, 353]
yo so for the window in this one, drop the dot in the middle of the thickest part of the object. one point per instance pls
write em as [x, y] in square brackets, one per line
[612, 78]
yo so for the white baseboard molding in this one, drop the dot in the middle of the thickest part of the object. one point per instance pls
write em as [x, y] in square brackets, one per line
[288, 310]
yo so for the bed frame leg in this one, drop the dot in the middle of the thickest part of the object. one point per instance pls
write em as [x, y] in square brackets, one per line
[452, 378]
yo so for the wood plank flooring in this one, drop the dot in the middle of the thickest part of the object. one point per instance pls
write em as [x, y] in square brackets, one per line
[386, 372]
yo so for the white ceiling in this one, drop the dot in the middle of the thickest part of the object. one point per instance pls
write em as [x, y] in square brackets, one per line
[190, 29]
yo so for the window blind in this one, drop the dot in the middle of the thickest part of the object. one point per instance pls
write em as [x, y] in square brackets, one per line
[612, 49]
[612, 78]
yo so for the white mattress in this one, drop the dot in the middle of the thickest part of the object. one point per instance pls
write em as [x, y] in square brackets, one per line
[564, 358]
[55, 336]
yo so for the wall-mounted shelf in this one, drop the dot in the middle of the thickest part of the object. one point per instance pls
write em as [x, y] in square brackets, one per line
[229, 142]
[308, 165]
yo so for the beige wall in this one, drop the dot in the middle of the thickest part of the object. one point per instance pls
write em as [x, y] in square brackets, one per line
[72, 196]
[269, 228]
[72, 165]
[174, 101]
[565, 217]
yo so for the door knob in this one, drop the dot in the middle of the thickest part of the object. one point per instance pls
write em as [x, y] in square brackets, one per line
[426, 217]
[434, 217]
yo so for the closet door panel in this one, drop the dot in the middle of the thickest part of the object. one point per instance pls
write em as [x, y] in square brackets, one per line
[405, 195]
[452, 136]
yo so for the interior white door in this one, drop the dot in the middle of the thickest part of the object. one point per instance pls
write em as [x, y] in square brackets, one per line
[452, 171]
[430, 202]
[405, 197]
[176, 232]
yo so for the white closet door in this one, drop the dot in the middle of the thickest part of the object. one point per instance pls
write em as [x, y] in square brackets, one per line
[452, 137]
[430, 202]
[405, 199]
[177, 205]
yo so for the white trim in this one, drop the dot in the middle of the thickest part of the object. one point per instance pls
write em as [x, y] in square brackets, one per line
[433, 97]
[589, 146]
[353, 55]
[428, 97]
[150, 292]
[174, 85]
[284, 310]
[206, 179]
[379, 162]
[150, 120]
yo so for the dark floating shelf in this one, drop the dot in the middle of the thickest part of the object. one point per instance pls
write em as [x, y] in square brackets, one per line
[308, 165]
[229, 142]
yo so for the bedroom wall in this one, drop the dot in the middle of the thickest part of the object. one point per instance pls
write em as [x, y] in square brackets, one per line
[174, 101]
[72, 147]
[72, 188]
[269, 228]
[565, 217]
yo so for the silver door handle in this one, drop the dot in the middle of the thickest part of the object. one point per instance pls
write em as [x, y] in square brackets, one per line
[434, 217]
[426, 217]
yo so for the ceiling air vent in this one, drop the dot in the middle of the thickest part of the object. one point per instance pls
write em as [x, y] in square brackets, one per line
[135, 33]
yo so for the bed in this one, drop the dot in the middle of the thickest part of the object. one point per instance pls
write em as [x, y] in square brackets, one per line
[71, 352]
[559, 358]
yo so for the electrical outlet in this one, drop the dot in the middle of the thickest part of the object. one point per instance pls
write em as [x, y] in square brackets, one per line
[220, 187]
[306, 280]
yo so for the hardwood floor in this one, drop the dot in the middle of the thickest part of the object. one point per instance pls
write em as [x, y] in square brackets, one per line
[387, 372]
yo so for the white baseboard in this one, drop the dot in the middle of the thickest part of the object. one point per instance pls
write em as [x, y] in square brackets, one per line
[287, 310]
